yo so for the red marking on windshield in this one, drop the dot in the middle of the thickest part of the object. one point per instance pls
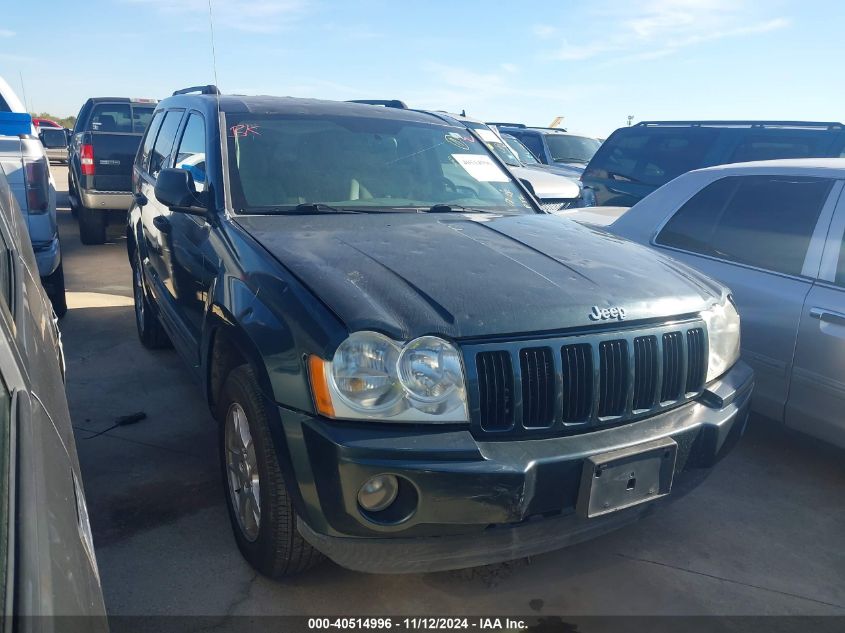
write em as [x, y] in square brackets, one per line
[244, 129]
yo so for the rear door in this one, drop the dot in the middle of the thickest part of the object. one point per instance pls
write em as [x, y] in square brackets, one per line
[817, 394]
[762, 236]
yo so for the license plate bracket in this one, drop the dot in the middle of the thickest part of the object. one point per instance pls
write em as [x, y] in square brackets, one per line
[626, 477]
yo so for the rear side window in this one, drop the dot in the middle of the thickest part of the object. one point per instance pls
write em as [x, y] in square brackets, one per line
[653, 157]
[160, 157]
[776, 144]
[149, 139]
[111, 117]
[762, 221]
[191, 153]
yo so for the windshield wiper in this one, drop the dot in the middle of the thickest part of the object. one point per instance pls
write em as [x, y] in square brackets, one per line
[319, 207]
[571, 159]
[455, 208]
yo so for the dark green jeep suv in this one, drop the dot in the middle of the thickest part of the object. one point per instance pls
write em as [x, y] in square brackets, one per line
[413, 366]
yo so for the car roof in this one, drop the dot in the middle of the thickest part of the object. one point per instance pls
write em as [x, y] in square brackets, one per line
[265, 104]
[803, 166]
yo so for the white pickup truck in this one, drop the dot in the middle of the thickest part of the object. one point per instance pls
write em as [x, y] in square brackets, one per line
[25, 163]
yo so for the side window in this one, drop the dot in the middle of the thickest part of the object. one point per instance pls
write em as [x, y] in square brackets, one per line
[150, 137]
[762, 221]
[191, 153]
[773, 146]
[840, 269]
[160, 157]
[111, 117]
[7, 274]
[535, 144]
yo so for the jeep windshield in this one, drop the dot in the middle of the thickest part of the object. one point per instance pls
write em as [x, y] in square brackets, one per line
[296, 163]
[566, 148]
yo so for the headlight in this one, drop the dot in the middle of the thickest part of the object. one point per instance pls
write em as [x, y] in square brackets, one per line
[723, 333]
[374, 377]
[588, 197]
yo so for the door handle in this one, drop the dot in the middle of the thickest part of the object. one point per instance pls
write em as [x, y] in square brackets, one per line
[829, 316]
[162, 224]
[140, 199]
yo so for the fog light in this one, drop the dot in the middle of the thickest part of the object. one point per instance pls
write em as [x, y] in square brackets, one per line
[378, 493]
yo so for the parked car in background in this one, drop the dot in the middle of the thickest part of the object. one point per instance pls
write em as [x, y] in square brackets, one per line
[562, 151]
[46, 548]
[45, 123]
[553, 191]
[413, 366]
[773, 231]
[55, 142]
[105, 140]
[636, 160]
[25, 165]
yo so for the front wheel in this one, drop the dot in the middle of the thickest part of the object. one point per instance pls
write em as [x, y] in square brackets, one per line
[260, 508]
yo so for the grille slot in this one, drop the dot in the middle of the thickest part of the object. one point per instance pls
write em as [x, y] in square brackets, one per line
[495, 390]
[672, 359]
[613, 378]
[645, 372]
[577, 382]
[696, 360]
[538, 387]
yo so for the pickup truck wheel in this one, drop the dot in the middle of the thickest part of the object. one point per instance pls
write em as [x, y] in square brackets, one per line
[54, 284]
[260, 508]
[150, 332]
[92, 226]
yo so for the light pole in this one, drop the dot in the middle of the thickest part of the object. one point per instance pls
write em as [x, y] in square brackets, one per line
[630, 119]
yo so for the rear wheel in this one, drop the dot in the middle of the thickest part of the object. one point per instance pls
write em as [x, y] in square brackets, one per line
[260, 508]
[150, 332]
[92, 225]
[54, 284]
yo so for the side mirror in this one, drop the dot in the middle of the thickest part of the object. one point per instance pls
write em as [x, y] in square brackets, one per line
[175, 189]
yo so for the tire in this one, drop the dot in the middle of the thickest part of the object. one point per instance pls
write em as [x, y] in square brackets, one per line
[271, 544]
[74, 209]
[54, 284]
[92, 226]
[150, 332]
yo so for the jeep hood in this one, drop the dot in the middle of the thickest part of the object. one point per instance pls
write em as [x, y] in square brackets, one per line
[474, 275]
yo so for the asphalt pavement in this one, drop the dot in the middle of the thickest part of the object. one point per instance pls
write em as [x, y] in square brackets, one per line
[765, 534]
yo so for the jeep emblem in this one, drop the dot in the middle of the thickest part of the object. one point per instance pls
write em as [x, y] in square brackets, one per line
[603, 314]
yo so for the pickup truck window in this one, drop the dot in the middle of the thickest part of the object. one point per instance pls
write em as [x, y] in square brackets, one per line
[111, 117]
[278, 162]
[191, 153]
[149, 139]
[160, 157]
[141, 116]
[761, 221]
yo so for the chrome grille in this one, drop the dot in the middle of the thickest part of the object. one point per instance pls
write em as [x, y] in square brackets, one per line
[551, 205]
[554, 386]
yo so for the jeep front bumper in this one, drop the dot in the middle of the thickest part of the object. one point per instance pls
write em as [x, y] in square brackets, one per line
[477, 502]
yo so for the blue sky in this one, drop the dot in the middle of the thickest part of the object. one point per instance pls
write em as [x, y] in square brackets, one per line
[593, 62]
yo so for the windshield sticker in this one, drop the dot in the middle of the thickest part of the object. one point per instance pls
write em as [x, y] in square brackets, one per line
[488, 136]
[244, 129]
[481, 167]
[456, 139]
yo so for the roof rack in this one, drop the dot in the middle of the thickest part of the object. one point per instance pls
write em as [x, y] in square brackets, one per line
[502, 124]
[387, 103]
[209, 89]
[761, 124]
